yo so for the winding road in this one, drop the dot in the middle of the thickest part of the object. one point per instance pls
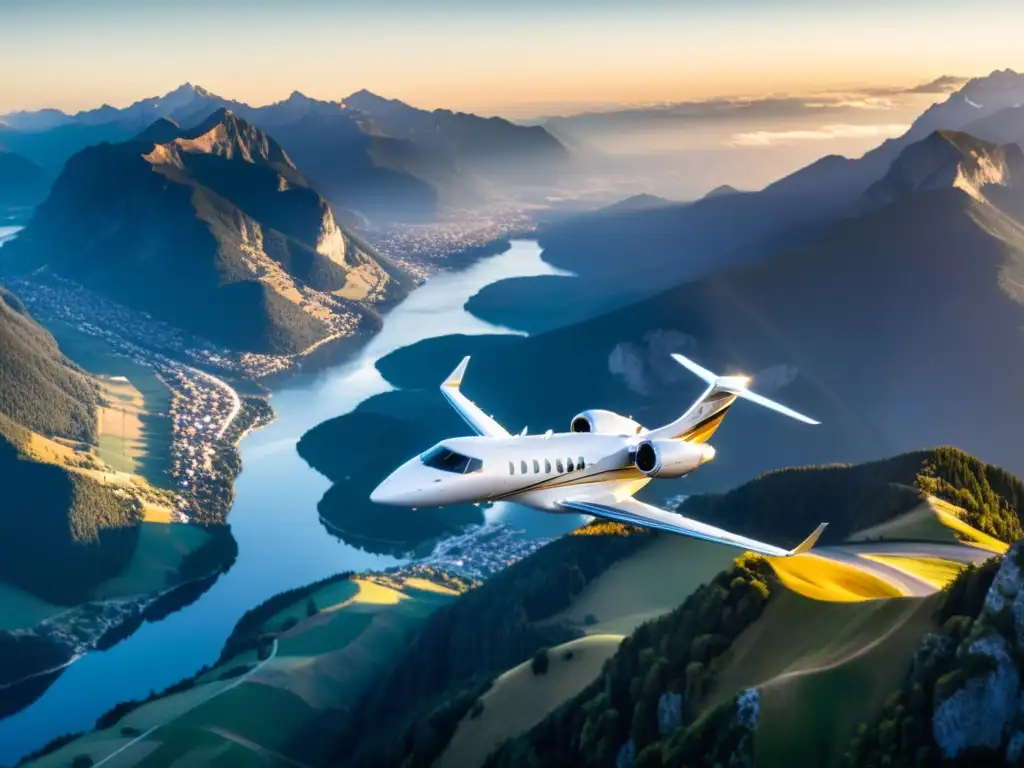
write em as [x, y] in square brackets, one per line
[230, 686]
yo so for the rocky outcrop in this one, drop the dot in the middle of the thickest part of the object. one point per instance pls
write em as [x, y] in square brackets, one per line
[211, 229]
[979, 705]
[979, 714]
[670, 712]
[948, 159]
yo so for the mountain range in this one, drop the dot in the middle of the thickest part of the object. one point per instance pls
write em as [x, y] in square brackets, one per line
[378, 156]
[895, 323]
[211, 228]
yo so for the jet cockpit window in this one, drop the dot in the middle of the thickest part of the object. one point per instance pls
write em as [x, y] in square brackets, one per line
[441, 458]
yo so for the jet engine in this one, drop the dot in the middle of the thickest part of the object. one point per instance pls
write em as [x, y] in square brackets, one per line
[605, 422]
[671, 458]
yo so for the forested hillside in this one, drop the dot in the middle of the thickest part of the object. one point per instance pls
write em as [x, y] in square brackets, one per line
[61, 533]
[788, 503]
[39, 387]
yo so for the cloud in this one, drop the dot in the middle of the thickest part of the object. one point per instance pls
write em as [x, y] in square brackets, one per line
[647, 366]
[822, 133]
[943, 84]
[627, 361]
[774, 378]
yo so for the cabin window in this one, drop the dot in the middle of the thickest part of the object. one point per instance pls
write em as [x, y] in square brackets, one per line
[581, 464]
[558, 463]
[511, 468]
[547, 466]
[447, 460]
[568, 465]
[522, 466]
[536, 467]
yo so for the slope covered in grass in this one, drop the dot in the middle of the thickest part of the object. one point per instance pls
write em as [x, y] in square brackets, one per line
[520, 698]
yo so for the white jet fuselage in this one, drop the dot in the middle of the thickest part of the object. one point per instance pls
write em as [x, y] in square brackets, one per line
[595, 469]
[539, 471]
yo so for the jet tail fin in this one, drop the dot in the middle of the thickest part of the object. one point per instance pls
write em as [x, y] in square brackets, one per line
[702, 418]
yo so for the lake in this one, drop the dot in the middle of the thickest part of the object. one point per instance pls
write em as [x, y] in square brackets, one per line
[281, 542]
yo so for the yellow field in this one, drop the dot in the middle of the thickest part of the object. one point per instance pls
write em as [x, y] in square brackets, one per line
[647, 584]
[819, 578]
[934, 520]
[121, 441]
[518, 700]
[82, 459]
[360, 282]
[822, 668]
[932, 570]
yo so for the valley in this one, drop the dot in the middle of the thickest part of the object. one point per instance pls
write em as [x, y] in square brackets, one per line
[225, 324]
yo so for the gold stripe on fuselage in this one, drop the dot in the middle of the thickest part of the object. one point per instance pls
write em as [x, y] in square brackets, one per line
[628, 472]
[700, 432]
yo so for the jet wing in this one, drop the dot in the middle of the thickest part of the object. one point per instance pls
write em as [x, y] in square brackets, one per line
[470, 412]
[637, 513]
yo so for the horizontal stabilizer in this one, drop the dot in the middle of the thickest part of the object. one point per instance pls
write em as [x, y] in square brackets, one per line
[737, 385]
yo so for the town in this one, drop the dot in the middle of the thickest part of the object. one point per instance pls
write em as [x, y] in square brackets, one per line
[482, 551]
[204, 409]
[425, 249]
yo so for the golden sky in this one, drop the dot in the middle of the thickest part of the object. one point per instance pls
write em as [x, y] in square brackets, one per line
[491, 56]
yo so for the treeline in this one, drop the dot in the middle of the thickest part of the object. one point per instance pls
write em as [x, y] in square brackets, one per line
[785, 505]
[905, 731]
[644, 710]
[245, 635]
[467, 643]
[992, 497]
[39, 387]
[61, 533]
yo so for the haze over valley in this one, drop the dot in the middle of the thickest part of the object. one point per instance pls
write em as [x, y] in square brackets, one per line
[226, 309]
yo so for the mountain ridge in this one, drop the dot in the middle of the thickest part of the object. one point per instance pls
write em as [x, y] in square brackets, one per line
[240, 231]
[334, 143]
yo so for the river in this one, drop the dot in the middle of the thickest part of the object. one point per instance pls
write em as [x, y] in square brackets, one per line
[281, 542]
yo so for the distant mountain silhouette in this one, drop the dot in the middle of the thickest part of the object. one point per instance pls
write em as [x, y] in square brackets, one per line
[22, 182]
[211, 228]
[979, 98]
[638, 203]
[378, 156]
[723, 189]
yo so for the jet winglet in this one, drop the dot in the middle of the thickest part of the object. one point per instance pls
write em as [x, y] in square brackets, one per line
[454, 379]
[810, 541]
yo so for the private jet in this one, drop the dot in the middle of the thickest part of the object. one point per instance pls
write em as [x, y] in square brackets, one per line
[595, 469]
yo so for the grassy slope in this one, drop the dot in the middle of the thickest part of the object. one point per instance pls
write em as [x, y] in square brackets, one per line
[933, 520]
[646, 584]
[819, 578]
[822, 667]
[933, 570]
[519, 699]
[288, 706]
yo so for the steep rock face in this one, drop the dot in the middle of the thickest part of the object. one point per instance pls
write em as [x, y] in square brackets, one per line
[212, 229]
[948, 159]
[985, 708]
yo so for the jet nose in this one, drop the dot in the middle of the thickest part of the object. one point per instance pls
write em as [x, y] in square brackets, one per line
[386, 492]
